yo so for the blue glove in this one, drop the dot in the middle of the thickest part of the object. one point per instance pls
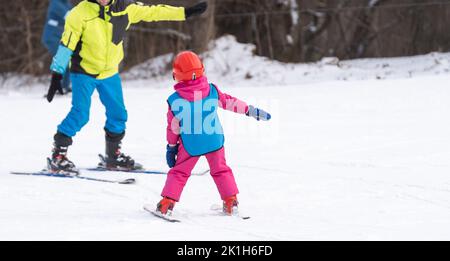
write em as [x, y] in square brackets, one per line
[171, 155]
[61, 60]
[257, 113]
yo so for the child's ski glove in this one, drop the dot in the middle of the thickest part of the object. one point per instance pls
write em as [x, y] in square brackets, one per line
[171, 155]
[257, 113]
[197, 9]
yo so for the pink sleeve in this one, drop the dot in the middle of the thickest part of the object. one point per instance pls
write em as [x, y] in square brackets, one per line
[230, 103]
[173, 128]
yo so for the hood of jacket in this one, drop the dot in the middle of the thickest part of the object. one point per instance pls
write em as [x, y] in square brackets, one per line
[193, 90]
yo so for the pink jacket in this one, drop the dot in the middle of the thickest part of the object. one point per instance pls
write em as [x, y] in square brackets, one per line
[191, 91]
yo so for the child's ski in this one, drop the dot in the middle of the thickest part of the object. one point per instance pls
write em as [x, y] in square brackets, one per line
[168, 218]
[152, 211]
[46, 173]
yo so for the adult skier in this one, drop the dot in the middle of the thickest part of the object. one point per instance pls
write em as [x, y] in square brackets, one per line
[53, 30]
[93, 42]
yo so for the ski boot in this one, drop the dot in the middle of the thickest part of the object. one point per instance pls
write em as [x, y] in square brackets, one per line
[59, 163]
[115, 159]
[230, 206]
[165, 206]
[163, 209]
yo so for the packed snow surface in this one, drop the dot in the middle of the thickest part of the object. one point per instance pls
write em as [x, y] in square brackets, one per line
[356, 150]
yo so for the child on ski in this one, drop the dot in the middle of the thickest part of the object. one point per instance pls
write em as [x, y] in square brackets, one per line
[194, 130]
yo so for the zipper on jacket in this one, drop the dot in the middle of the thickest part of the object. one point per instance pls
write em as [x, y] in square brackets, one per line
[107, 37]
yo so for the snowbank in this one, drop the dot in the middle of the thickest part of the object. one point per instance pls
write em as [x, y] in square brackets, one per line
[234, 63]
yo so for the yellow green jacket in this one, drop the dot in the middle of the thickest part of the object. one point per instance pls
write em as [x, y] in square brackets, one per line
[95, 33]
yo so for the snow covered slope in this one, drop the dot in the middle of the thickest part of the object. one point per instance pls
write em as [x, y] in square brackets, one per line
[361, 159]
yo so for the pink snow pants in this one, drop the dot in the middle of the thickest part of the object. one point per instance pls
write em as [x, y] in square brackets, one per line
[220, 172]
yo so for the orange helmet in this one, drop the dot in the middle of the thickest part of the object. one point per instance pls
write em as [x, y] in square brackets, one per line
[187, 66]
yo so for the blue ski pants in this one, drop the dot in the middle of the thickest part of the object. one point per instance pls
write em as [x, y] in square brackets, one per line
[111, 96]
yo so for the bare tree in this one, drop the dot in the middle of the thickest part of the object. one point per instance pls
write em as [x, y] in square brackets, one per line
[285, 30]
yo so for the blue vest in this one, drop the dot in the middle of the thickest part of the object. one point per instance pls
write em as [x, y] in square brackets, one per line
[200, 128]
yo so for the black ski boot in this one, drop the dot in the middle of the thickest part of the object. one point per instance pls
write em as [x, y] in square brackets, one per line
[115, 159]
[59, 163]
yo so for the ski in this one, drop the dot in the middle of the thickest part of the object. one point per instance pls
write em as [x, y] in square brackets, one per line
[217, 209]
[159, 215]
[102, 167]
[141, 171]
[46, 173]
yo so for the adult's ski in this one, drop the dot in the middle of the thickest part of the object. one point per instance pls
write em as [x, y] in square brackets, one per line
[102, 167]
[141, 171]
[47, 173]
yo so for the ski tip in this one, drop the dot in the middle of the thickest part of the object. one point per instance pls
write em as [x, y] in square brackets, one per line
[148, 208]
[18, 173]
[128, 181]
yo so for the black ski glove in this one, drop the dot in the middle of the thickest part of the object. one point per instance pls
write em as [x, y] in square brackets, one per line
[55, 86]
[197, 9]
